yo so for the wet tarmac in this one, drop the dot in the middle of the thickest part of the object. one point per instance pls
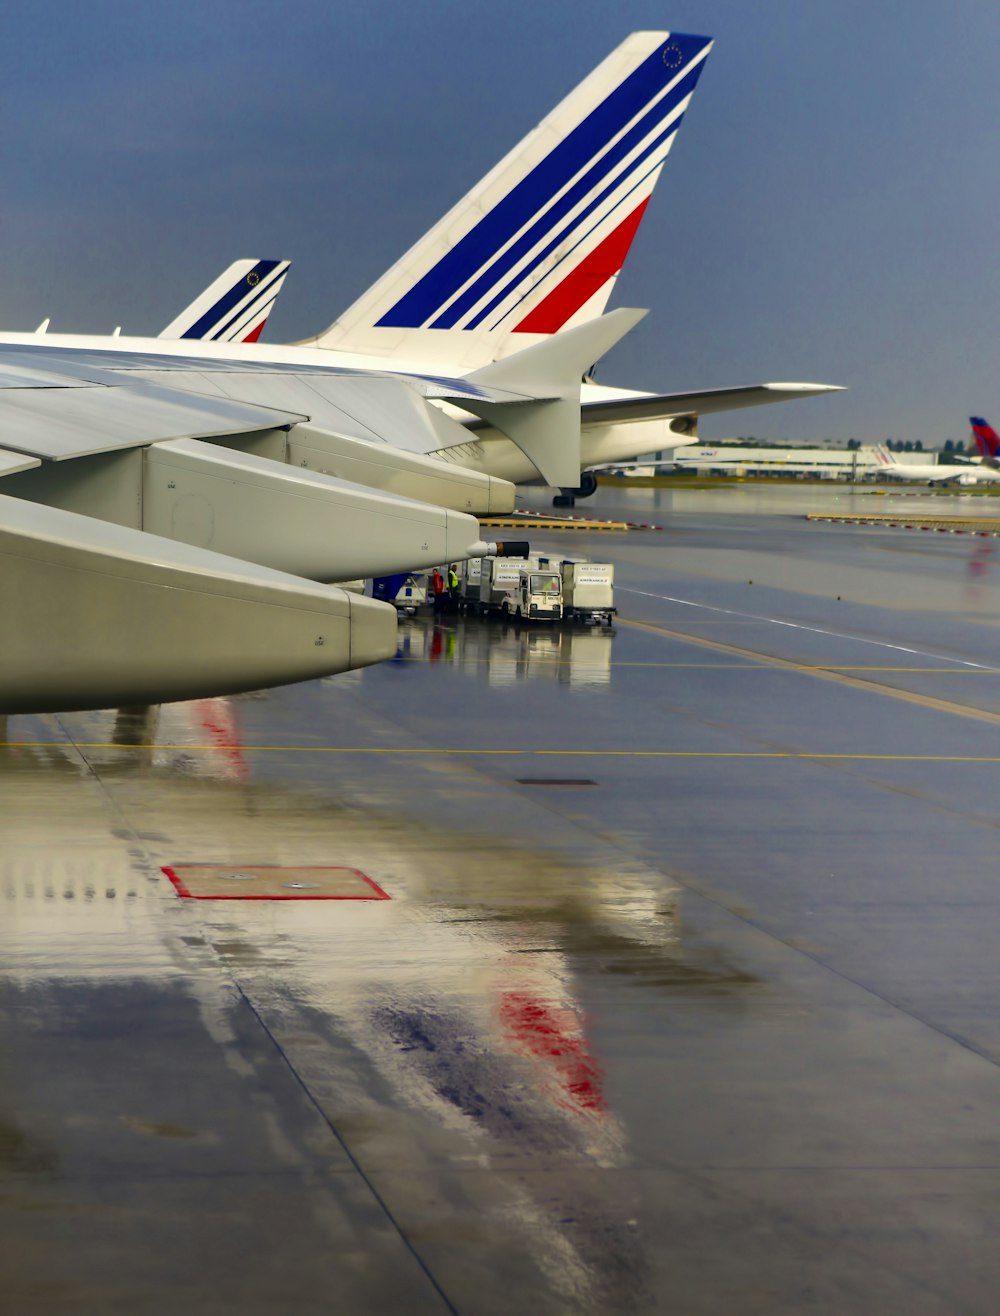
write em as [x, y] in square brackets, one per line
[685, 996]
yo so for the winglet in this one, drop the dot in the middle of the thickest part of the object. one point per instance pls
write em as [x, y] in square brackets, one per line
[547, 427]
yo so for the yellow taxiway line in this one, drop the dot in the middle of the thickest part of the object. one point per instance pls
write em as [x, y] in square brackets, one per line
[481, 752]
[838, 676]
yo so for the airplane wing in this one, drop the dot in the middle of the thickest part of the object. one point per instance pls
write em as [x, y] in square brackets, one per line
[99, 615]
[665, 406]
[163, 543]
[62, 411]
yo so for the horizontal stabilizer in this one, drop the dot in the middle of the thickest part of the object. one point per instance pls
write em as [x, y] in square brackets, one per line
[547, 430]
[59, 423]
[98, 616]
[663, 406]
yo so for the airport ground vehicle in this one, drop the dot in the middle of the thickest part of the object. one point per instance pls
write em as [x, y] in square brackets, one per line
[588, 590]
[499, 577]
[470, 574]
[537, 593]
[406, 591]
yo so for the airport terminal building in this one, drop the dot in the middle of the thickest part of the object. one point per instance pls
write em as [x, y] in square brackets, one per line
[735, 459]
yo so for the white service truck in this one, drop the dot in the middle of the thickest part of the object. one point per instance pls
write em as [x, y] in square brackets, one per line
[470, 575]
[588, 590]
[537, 595]
[499, 577]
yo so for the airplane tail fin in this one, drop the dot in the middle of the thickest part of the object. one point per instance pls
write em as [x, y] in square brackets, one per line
[883, 457]
[537, 244]
[234, 308]
[987, 440]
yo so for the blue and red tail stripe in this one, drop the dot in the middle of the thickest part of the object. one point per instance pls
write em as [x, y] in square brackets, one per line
[987, 438]
[217, 318]
[572, 197]
[441, 297]
[592, 273]
[574, 226]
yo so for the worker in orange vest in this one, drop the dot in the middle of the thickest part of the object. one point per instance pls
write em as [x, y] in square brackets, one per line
[439, 591]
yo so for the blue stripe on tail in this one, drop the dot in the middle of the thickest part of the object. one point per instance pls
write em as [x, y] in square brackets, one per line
[231, 299]
[430, 293]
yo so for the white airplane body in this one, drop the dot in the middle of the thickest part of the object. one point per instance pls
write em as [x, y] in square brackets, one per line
[888, 468]
[362, 451]
[612, 423]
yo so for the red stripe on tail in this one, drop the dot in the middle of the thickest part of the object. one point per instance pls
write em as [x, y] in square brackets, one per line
[578, 287]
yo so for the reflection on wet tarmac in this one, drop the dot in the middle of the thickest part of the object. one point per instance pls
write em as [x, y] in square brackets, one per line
[22, 1154]
[709, 1035]
[457, 1005]
[500, 653]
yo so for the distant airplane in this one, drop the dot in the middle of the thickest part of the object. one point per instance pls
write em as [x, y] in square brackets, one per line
[929, 472]
[234, 308]
[987, 440]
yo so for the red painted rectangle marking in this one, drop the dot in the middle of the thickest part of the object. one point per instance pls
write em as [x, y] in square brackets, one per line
[203, 882]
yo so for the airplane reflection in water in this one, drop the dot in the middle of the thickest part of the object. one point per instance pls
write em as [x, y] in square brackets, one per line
[502, 654]
[448, 1021]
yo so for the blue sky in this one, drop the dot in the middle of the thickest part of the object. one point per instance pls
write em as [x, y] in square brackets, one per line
[828, 211]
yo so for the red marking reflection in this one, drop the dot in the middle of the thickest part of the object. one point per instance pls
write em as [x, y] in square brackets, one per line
[218, 722]
[542, 1032]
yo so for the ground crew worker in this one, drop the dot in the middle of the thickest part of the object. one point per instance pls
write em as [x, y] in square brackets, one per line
[439, 595]
[453, 594]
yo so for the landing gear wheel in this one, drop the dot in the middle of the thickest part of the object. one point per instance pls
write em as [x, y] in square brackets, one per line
[564, 500]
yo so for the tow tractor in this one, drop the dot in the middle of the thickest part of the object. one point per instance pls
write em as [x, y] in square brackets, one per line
[537, 594]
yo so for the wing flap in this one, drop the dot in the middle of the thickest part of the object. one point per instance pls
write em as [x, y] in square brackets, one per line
[12, 462]
[61, 423]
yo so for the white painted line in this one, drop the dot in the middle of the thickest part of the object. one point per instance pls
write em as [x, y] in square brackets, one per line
[815, 630]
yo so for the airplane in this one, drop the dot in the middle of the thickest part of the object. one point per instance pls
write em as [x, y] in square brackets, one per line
[235, 306]
[887, 467]
[362, 452]
[532, 250]
[987, 441]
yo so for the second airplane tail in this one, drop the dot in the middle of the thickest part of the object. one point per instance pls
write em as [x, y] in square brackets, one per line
[537, 244]
[234, 308]
[987, 440]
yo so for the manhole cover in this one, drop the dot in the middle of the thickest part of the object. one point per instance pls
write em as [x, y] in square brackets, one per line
[555, 781]
[271, 882]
